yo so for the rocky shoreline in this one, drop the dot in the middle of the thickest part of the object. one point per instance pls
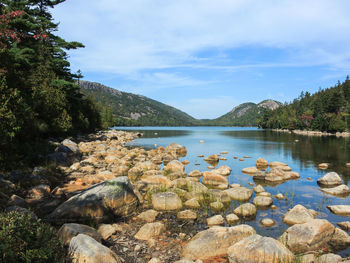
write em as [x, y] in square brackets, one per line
[314, 133]
[112, 203]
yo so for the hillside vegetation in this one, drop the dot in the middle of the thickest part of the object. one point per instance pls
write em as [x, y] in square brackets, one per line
[326, 110]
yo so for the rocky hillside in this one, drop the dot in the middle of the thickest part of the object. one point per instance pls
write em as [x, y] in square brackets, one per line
[136, 109]
[246, 114]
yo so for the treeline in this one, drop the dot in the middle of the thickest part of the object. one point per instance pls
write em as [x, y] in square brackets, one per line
[38, 94]
[326, 110]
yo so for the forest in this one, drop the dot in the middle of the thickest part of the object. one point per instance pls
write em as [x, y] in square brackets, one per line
[326, 110]
[39, 97]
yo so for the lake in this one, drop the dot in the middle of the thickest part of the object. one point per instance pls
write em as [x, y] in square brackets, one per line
[301, 153]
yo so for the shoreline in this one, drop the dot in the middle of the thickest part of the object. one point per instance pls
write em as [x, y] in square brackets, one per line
[313, 133]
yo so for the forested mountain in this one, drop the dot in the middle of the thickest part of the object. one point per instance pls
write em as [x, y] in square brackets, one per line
[127, 109]
[246, 114]
[326, 110]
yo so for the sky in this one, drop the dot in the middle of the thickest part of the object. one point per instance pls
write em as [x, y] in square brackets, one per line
[206, 56]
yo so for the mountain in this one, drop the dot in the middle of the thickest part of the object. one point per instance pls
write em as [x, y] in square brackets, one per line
[132, 109]
[246, 114]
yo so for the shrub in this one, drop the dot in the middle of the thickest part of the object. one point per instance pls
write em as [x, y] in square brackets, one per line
[25, 239]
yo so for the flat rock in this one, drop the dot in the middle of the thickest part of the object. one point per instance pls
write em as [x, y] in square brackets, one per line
[298, 215]
[255, 249]
[239, 193]
[70, 230]
[83, 248]
[267, 222]
[250, 170]
[148, 216]
[277, 164]
[263, 201]
[187, 215]
[150, 230]
[100, 202]
[245, 210]
[330, 179]
[340, 210]
[215, 241]
[340, 190]
[310, 236]
[344, 225]
[215, 220]
[166, 201]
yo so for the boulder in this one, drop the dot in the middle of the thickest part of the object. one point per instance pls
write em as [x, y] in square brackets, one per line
[263, 201]
[106, 230]
[258, 189]
[39, 191]
[214, 158]
[261, 163]
[192, 203]
[344, 225]
[310, 236]
[340, 210]
[174, 166]
[71, 145]
[148, 216]
[298, 215]
[195, 173]
[340, 190]
[187, 215]
[330, 179]
[68, 231]
[329, 258]
[246, 210]
[150, 230]
[166, 201]
[217, 206]
[232, 219]
[215, 241]
[250, 170]
[215, 220]
[100, 202]
[83, 248]
[340, 240]
[219, 195]
[223, 170]
[213, 179]
[239, 193]
[258, 249]
[157, 180]
[176, 149]
[267, 222]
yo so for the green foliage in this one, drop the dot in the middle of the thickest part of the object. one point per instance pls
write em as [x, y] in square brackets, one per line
[326, 110]
[24, 239]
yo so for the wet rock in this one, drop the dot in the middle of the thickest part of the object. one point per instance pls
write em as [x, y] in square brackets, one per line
[267, 222]
[68, 231]
[150, 230]
[223, 170]
[187, 215]
[258, 189]
[148, 216]
[232, 219]
[106, 230]
[310, 236]
[328, 258]
[340, 240]
[263, 201]
[341, 210]
[217, 206]
[256, 248]
[239, 193]
[340, 190]
[246, 210]
[261, 163]
[166, 201]
[84, 248]
[213, 179]
[174, 166]
[215, 241]
[277, 164]
[195, 173]
[214, 158]
[192, 203]
[100, 202]
[344, 225]
[250, 170]
[298, 215]
[330, 179]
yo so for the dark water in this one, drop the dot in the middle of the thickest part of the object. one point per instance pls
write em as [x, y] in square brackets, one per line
[301, 153]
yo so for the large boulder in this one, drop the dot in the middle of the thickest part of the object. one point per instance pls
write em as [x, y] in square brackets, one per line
[166, 201]
[239, 193]
[103, 201]
[298, 215]
[215, 241]
[85, 249]
[68, 231]
[310, 236]
[258, 249]
[330, 179]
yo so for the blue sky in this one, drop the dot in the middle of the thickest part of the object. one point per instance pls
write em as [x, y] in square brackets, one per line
[205, 57]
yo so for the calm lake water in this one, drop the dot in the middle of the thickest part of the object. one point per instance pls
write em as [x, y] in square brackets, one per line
[301, 153]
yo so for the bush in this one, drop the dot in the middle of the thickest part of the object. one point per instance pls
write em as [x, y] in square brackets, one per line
[24, 239]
